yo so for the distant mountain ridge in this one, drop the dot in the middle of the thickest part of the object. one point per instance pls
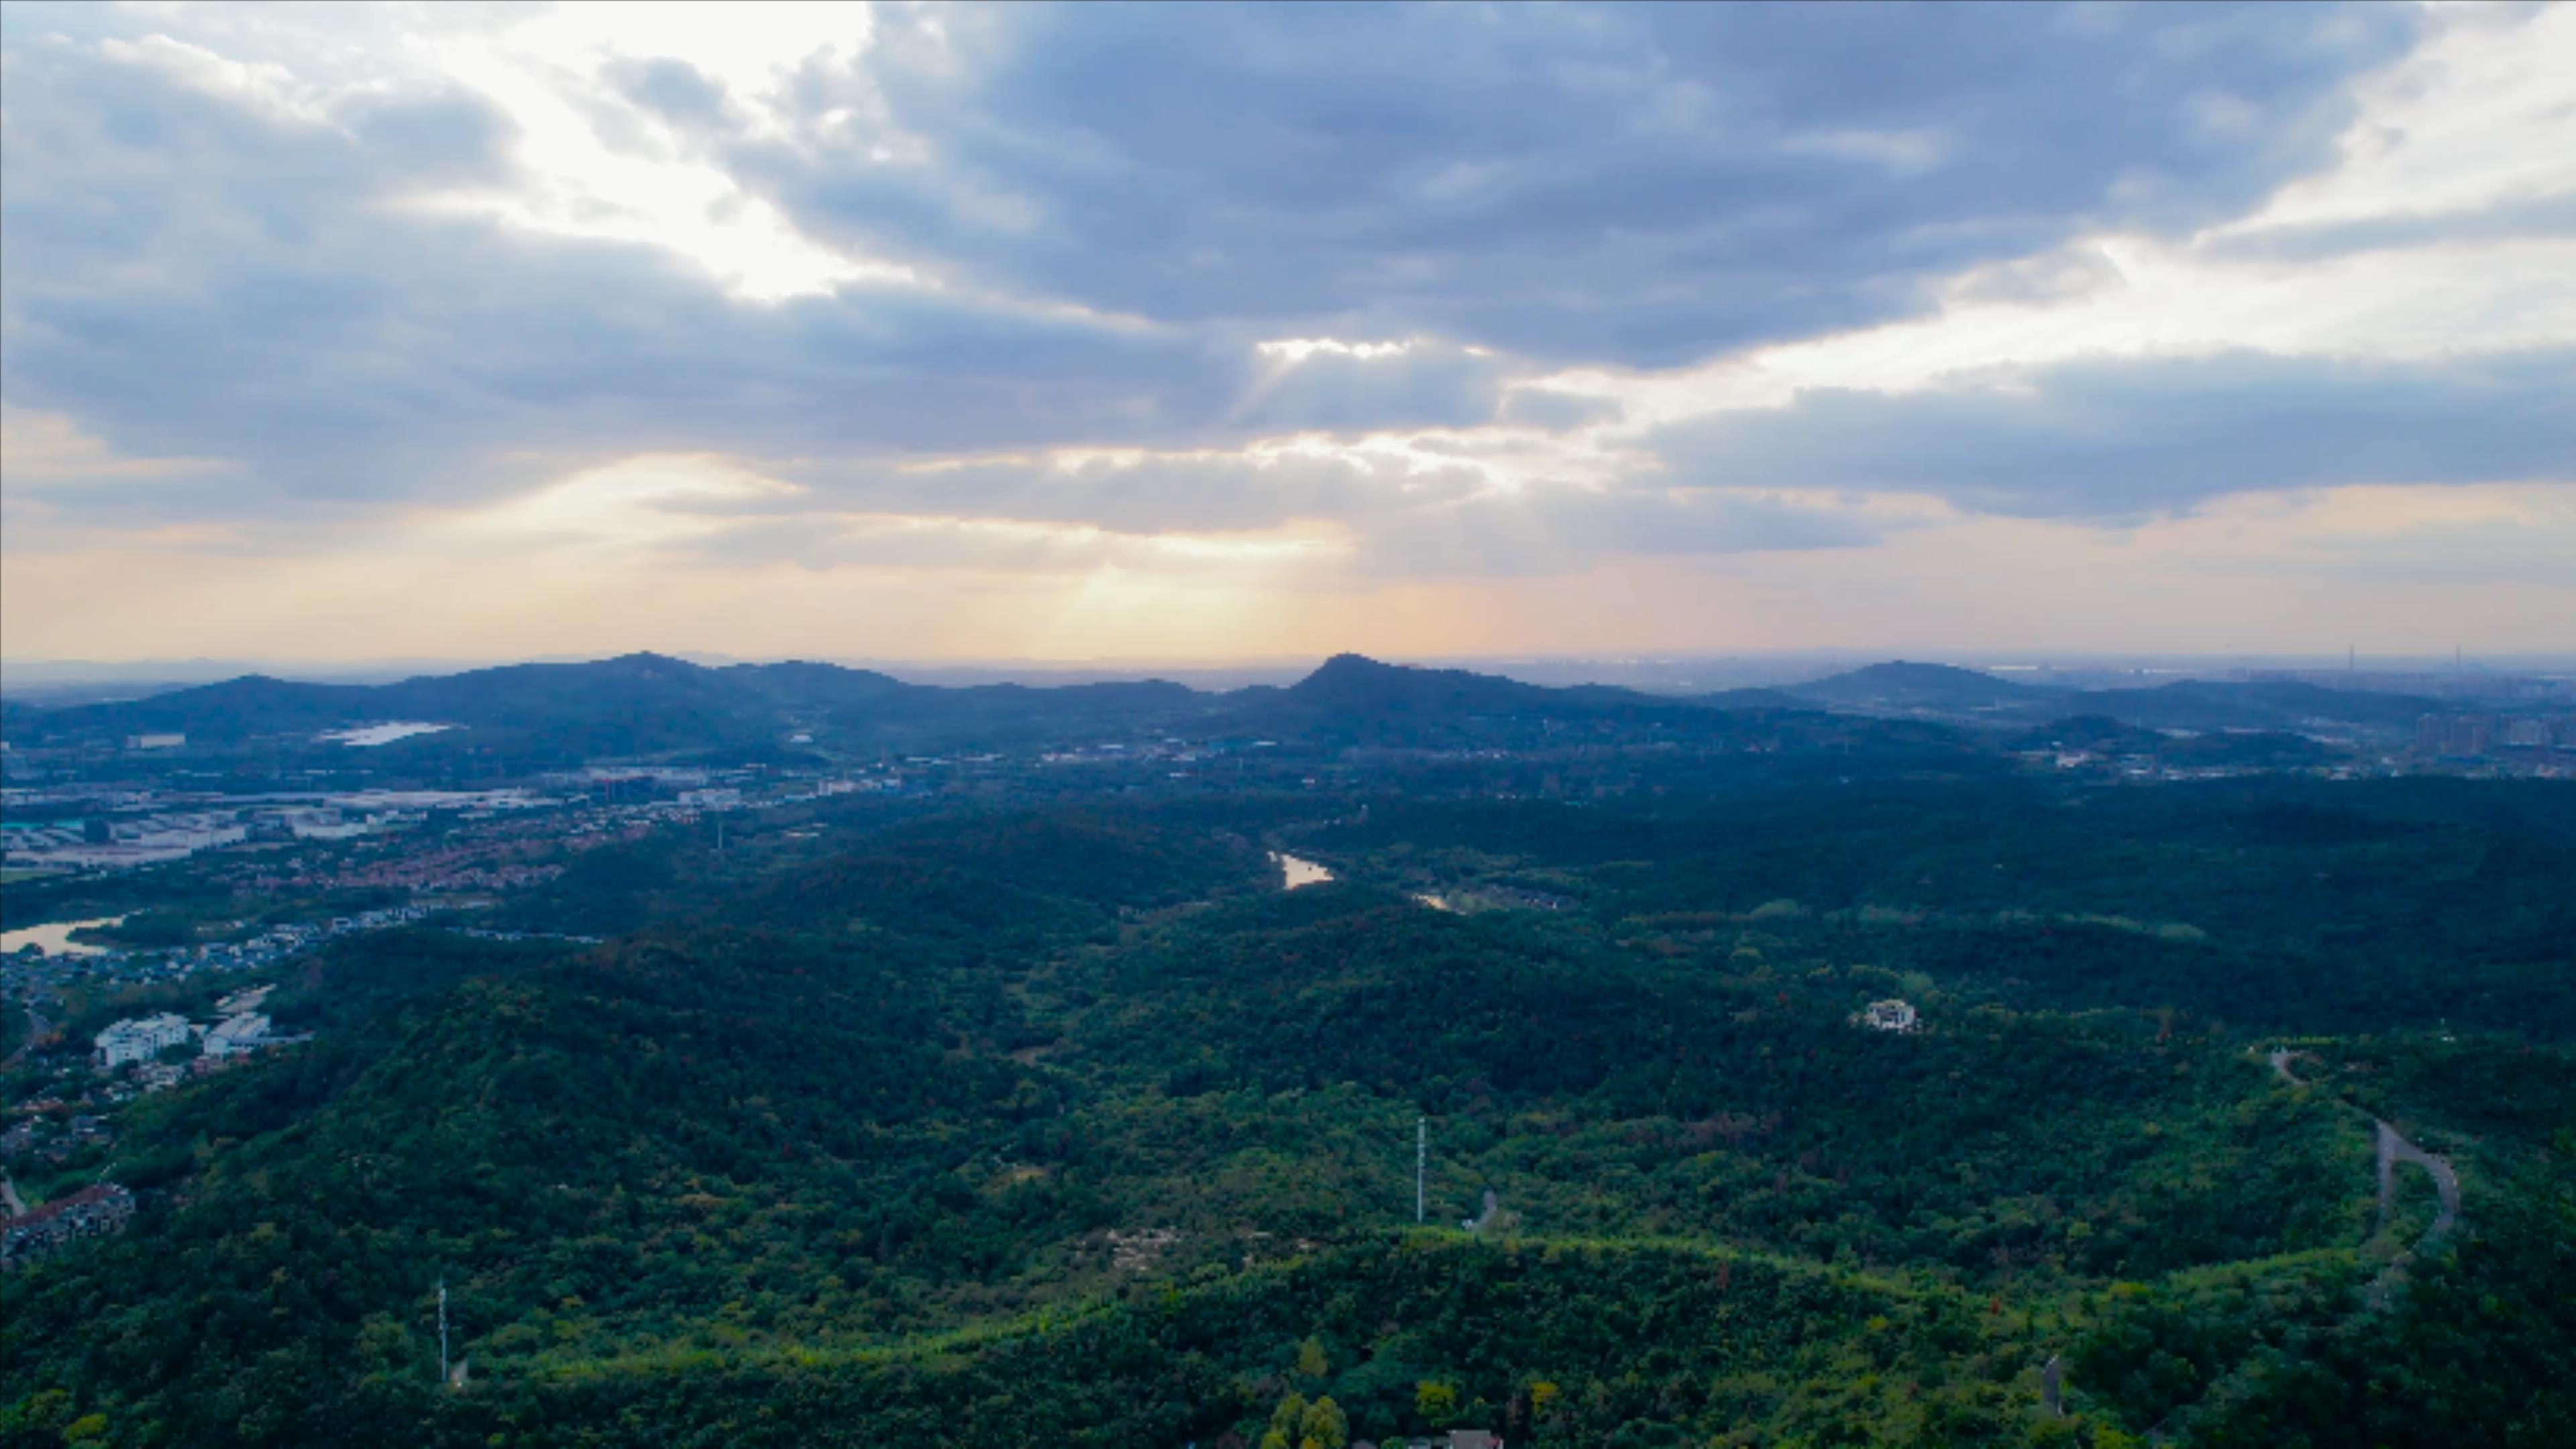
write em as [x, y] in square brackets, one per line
[647, 704]
[2272, 704]
[1947, 692]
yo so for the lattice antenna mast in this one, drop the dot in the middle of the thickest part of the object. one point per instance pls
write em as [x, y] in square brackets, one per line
[1421, 1159]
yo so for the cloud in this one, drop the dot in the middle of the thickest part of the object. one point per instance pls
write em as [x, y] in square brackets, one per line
[452, 278]
[1366, 512]
[189, 275]
[1141, 492]
[45, 451]
[1641, 185]
[1547, 408]
[1427, 293]
[930, 544]
[2469, 138]
[1552, 530]
[2516, 219]
[2125, 438]
[671, 88]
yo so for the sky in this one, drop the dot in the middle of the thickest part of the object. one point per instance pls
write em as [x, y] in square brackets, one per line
[1212, 332]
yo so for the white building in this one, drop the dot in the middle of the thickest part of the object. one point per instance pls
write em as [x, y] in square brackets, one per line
[247, 999]
[237, 1034]
[141, 1038]
[1889, 1015]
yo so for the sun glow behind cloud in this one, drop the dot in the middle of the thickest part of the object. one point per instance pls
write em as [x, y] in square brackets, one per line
[650, 186]
[1297, 349]
[640, 502]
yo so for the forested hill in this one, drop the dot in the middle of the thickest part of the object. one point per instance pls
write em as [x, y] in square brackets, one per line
[634, 704]
[1939, 687]
[1037, 1128]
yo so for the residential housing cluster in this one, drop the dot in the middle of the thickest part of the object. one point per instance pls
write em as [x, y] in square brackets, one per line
[92, 1212]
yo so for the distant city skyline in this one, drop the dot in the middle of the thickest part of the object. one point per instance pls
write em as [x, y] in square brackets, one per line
[1205, 336]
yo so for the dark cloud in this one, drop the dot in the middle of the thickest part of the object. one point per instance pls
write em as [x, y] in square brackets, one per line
[672, 89]
[1644, 185]
[2108, 439]
[188, 277]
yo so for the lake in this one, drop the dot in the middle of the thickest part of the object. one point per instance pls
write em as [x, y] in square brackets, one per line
[55, 937]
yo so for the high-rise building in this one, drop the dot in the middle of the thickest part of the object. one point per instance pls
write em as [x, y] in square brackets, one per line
[2432, 734]
[2465, 735]
[2473, 734]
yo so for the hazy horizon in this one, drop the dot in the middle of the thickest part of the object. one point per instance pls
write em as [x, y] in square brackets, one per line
[1670, 671]
[478, 333]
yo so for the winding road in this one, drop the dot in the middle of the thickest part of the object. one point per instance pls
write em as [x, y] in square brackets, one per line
[2394, 1148]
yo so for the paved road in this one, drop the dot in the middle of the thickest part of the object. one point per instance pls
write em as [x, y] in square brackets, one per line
[2394, 1148]
[37, 1027]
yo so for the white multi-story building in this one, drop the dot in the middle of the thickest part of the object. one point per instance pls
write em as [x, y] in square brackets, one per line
[141, 1038]
[1890, 1015]
[236, 1034]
